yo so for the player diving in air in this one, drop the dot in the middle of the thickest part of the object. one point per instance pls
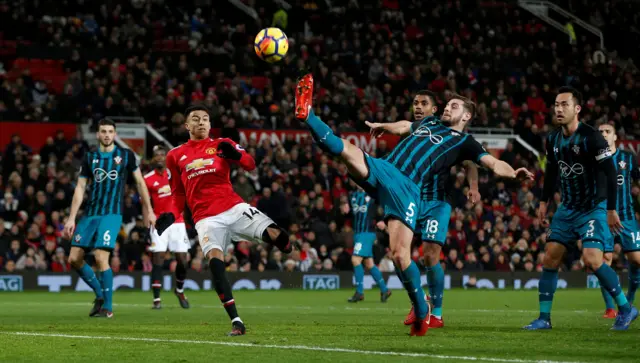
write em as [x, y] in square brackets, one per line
[107, 169]
[583, 160]
[629, 238]
[198, 173]
[363, 209]
[415, 165]
[175, 238]
[435, 212]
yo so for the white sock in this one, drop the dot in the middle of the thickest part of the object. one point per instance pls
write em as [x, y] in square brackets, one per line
[179, 291]
[236, 319]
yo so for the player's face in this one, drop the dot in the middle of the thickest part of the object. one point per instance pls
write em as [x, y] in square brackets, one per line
[423, 107]
[565, 109]
[455, 113]
[609, 134]
[159, 159]
[106, 135]
[198, 124]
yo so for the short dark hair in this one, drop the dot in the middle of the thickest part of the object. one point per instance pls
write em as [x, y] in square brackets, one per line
[158, 148]
[429, 94]
[196, 107]
[468, 105]
[577, 96]
[106, 122]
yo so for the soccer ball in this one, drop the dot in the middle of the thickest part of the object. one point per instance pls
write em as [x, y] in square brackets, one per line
[271, 45]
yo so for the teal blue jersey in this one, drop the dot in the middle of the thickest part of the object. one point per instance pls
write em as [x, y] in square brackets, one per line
[364, 212]
[627, 171]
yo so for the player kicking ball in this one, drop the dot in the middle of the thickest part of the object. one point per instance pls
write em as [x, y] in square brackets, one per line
[175, 238]
[198, 173]
[398, 179]
[435, 210]
[582, 157]
[107, 170]
[363, 210]
[629, 238]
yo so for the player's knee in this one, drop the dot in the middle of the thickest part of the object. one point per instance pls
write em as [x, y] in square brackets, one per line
[608, 258]
[634, 258]
[275, 235]
[432, 253]
[592, 259]
[368, 263]
[158, 258]
[356, 260]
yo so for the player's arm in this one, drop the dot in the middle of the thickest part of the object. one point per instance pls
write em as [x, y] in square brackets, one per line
[550, 180]
[476, 152]
[233, 152]
[78, 196]
[400, 128]
[147, 208]
[599, 149]
[472, 178]
[178, 195]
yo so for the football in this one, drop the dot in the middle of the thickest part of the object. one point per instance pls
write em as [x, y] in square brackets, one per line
[271, 45]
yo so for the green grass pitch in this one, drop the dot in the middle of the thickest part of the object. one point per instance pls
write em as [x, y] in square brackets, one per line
[309, 326]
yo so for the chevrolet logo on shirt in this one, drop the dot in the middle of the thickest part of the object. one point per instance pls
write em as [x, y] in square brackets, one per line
[199, 164]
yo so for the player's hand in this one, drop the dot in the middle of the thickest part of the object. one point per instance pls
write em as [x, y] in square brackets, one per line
[228, 151]
[523, 174]
[164, 221]
[150, 219]
[542, 214]
[474, 196]
[613, 220]
[377, 128]
[69, 228]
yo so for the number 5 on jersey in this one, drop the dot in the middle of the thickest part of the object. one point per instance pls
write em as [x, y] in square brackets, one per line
[410, 213]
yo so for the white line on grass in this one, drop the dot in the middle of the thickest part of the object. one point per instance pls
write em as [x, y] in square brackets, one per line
[287, 347]
[268, 307]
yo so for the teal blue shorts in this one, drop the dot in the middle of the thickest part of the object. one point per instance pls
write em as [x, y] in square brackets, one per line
[99, 232]
[396, 193]
[434, 221]
[363, 244]
[569, 226]
[629, 238]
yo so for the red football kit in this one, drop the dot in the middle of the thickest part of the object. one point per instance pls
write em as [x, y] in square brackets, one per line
[160, 191]
[200, 177]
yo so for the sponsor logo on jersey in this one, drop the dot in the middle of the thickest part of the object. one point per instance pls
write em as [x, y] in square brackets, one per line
[100, 175]
[567, 170]
[424, 131]
[165, 191]
[199, 164]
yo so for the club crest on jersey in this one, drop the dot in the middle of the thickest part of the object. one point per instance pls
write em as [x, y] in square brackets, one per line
[95, 161]
[576, 149]
[199, 164]
[117, 159]
[367, 199]
[78, 237]
[622, 164]
[210, 151]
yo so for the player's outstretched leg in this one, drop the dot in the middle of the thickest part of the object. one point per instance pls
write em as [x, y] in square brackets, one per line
[181, 274]
[156, 278]
[609, 280]
[276, 236]
[385, 293]
[358, 274]
[223, 289]
[547, 284]
[86, 273]
[610, 311]
[102, 260]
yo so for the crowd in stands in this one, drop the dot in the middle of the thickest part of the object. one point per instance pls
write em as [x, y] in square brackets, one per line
[367, 67]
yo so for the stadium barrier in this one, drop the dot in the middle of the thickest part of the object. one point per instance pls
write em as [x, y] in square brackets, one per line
[57, 282]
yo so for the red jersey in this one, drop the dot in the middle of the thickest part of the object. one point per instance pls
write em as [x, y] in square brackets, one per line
[198, 175]
[160, 191]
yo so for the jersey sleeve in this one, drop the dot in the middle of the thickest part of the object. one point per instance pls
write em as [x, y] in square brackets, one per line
[178, 194]
[132, 162]
[473, 150]
[246, 161]
[414, 126]
[598, 148]
[85, 168]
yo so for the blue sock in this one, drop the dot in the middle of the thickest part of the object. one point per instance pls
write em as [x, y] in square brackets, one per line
[405, 282]
[416, 294]
[609, 280]
[634, 282]
[435, 280]
[86, 273]
[358, 272]
[608, 300]
[546, 289]
[107, 288]
[323, 135]
[375, 273]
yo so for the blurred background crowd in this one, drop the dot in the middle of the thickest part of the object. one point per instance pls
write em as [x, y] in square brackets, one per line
[76, 61]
